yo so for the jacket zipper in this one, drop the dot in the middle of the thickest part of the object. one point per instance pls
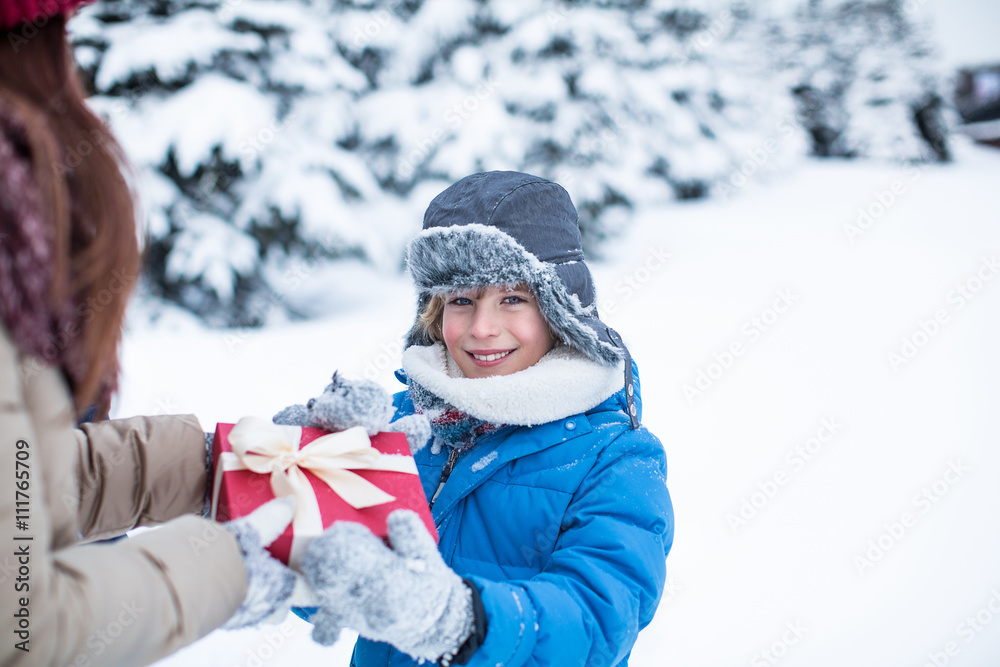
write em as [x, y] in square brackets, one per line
[450, 463]
[445, 474]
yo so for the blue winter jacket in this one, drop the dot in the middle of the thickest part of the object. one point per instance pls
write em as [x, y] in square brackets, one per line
[564, 528]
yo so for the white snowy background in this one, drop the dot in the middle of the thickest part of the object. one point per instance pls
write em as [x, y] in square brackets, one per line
[854, 433]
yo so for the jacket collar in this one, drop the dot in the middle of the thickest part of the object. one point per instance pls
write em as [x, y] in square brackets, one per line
[563, 383]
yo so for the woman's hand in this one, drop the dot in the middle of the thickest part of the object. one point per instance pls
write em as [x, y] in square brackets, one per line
[272, 587]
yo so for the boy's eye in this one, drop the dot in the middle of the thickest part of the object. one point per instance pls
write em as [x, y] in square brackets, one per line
[515, 299]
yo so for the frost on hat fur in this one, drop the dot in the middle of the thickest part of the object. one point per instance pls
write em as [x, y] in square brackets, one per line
[506, 228]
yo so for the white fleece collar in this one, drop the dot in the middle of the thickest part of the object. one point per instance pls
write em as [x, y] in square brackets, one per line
[563, 383]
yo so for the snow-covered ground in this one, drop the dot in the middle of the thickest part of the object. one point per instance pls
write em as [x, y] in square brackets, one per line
[826, 389]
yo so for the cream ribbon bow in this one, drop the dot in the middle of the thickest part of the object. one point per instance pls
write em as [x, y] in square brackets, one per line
[263, 447]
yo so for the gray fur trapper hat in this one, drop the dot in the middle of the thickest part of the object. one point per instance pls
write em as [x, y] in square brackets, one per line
[505, 228]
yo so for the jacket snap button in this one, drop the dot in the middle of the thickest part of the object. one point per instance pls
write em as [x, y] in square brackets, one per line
[570, 426]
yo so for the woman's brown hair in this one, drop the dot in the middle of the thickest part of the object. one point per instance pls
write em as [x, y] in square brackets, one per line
[79, 169]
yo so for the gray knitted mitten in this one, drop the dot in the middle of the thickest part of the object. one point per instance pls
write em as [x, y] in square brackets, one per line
[270, 584]
[405, 596]
[347, 402]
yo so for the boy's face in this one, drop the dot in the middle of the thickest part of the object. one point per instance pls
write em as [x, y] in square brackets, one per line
[494, 331]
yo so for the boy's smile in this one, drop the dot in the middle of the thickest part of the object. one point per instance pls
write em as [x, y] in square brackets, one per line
[494, 331]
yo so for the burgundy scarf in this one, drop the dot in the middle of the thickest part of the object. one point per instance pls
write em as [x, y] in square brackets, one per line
[450, 426]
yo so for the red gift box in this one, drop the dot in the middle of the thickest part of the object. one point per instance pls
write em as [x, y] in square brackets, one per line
[237, 490]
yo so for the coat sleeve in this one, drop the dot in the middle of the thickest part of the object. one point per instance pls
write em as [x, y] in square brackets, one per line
[127, 603]
[605, 576]
[141, 471]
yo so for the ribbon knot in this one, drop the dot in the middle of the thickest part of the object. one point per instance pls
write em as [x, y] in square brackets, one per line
[285, 461]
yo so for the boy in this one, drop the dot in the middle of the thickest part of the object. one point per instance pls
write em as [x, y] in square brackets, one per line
[549, 497]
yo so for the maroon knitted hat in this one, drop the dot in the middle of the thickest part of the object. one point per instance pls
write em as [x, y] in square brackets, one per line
[15, 12]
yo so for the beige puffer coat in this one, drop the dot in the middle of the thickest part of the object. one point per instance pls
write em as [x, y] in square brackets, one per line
[126, 603]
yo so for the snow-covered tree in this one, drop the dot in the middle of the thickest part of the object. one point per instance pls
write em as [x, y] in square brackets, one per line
[866, 80]
[621, 102]
[269, 133]
[235, 116]
[270, 137]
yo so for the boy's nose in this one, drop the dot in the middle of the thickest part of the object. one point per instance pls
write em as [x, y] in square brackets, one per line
[484, 324]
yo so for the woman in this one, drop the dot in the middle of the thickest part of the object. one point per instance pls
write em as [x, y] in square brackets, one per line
[68, 261]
